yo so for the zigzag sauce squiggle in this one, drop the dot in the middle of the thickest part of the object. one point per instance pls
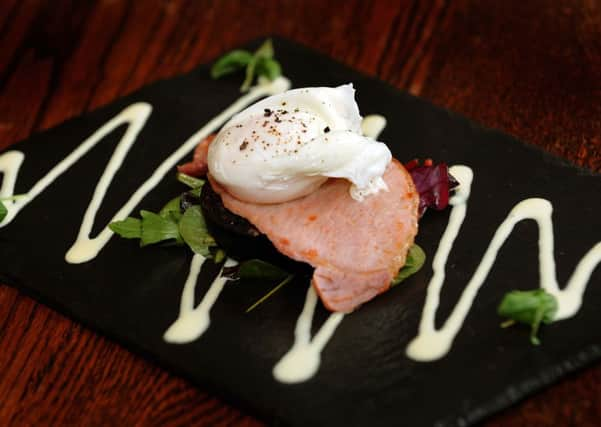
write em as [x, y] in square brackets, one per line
[431, 343]
[85, 248]
[302, 361]
[193, 321]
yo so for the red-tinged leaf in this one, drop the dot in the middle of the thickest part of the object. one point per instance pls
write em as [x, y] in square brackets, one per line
[433, 183]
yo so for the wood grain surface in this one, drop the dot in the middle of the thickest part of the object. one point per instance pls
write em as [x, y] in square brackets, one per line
[531, 68]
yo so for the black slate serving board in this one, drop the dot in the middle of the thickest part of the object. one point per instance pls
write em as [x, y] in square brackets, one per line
[132, 295]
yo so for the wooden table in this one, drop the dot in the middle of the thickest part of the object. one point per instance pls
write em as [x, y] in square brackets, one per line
[531, 68]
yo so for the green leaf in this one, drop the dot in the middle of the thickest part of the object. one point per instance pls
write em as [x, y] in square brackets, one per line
[230, 62]
[129, 228]
[3, 211]
[219, 256]
[269, 68]
[259, 63]
[190, 181]
[530, 308]
[250, 75]
[156, 229]
[172, 210]
[414, 262]
[257, 269]
[3, 208]
[193, 230]
[264, 298]
[265, 51]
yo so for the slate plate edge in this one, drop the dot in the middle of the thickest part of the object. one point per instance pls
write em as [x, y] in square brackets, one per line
[510, 396]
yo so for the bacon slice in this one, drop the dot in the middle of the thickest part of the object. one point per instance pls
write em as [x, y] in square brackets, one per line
[198, 166]
[356, 247]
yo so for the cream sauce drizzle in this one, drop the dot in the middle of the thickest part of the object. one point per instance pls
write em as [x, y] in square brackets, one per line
[373, 125]
[194, 321]
[431, 343]
[135, 115]
[85, 248]
[10, 162]
[303, 359]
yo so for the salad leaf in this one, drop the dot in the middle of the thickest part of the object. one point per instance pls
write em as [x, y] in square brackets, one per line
[192, 182]
[152, 228]
[269, 68]
[3, 208]
[530, 308]
[279, 286]
[257, 269]
[3, 211]
[172, 209]
[179, 221]
[258, 64]
[433, 183]
[230, 63]
[156, 228]
[265, 50]
[414, 262]
[219, 256]
[193, 230]
[129, 228]
[250, 75]
[263, 53]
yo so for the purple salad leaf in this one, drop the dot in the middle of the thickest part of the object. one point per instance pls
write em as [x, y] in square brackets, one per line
[433, 183]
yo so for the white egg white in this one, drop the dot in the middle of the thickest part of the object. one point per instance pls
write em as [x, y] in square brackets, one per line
[285, 146]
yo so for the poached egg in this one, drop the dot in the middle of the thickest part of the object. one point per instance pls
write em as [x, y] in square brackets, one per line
[287, 145]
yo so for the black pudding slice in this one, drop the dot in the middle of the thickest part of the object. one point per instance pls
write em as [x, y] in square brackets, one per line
[238, 237]
[215, 212]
